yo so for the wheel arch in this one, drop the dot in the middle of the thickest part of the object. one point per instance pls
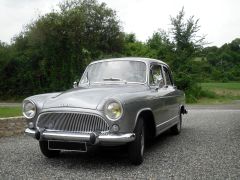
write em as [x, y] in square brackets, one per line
[183, 109]
[149, 121]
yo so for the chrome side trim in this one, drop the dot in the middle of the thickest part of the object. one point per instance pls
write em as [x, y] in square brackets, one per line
[167, 121]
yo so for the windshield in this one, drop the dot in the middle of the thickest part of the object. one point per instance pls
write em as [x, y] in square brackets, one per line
[115, 71]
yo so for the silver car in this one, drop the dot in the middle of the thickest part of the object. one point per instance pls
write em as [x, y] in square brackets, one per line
[122, 101]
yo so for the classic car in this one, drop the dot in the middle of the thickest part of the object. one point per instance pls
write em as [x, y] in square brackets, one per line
[121, 101]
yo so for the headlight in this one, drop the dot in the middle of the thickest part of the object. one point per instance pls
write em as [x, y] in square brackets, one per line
[113, 110]
[29, 109]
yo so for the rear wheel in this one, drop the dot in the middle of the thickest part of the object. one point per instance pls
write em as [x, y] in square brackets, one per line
[46, 152]
[176, 129]
[136, 148]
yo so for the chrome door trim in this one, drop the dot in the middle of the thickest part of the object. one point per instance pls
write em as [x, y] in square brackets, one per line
[167, 121]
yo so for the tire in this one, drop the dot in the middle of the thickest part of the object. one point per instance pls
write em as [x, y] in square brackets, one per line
[46, 152]
[136, 148]
[176, 129]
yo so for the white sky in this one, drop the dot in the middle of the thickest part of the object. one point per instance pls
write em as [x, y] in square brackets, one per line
[219, 19]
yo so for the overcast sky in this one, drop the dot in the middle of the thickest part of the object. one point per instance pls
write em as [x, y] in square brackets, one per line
[219, 19]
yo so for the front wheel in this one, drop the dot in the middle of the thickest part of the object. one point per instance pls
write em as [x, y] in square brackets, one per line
[136, 148]
[176, 129]
[46, 152]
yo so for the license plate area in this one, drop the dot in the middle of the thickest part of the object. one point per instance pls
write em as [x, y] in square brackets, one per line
[67, 146]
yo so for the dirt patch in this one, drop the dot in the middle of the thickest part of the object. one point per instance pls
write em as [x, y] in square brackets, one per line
[12, 126]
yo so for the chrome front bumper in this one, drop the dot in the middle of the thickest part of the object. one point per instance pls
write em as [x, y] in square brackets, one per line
[92, 138]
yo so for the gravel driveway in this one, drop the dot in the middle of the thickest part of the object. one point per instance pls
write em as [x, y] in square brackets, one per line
[207, 148]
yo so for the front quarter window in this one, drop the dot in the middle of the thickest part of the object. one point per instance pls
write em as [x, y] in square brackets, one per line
[156, 77]
[167, 76]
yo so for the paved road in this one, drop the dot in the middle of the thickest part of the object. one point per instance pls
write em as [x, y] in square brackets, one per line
[208, 148]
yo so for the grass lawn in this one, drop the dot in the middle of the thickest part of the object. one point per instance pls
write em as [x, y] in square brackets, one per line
[223, 93]
[10, 111]
[231, 86]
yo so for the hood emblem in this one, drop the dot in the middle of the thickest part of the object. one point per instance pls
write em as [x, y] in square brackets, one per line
[65, 105]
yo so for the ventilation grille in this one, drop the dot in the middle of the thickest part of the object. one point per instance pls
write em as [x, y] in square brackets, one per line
[73, 122]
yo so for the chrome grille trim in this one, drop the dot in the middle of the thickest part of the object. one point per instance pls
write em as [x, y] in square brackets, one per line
[72, 122]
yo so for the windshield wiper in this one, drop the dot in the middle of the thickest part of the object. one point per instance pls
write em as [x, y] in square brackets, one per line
[112, 79]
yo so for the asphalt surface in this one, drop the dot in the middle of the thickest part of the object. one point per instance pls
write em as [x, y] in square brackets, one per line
[207, 148]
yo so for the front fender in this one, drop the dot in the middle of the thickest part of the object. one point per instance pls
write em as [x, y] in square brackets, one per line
[39, 100]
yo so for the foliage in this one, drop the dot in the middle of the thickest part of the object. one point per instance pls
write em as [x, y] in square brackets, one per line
[224, 61]
[54, 50]
[219, 93]
[224, 86]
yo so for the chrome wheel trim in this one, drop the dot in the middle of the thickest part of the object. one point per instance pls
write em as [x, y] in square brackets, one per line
[142, 141]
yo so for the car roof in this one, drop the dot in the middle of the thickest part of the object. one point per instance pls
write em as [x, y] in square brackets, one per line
[145, 60]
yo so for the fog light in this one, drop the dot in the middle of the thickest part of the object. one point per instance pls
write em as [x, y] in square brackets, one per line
[30, 125]
[115, 128]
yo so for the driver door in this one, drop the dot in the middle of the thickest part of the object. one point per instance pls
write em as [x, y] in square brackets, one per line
[158, 93]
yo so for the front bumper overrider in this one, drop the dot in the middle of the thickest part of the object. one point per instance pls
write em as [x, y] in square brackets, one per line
[92, 138]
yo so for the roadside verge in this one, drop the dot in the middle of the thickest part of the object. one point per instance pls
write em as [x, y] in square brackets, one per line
[12, 126]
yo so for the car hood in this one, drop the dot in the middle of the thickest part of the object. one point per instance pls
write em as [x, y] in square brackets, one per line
[87, 98]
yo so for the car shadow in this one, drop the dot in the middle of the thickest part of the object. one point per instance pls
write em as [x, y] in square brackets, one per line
[111, 155]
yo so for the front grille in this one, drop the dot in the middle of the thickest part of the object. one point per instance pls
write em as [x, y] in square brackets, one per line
[73, 122]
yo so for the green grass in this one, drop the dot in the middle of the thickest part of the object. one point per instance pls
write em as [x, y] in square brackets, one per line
[231, 86]
[10, 111]
[219, 93]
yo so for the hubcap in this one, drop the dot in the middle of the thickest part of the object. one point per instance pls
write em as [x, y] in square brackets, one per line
[142, 142]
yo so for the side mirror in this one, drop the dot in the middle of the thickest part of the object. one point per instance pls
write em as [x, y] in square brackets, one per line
[75, 84]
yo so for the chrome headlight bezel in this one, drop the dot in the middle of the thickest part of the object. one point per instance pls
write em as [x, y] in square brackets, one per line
[115, 104]
[29, 105]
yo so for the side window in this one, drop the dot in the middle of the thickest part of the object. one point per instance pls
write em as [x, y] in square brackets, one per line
[167, 76]
[156, 77]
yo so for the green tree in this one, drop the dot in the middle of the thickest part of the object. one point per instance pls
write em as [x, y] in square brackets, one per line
[188, 45]
[54, 50]
[160, 46]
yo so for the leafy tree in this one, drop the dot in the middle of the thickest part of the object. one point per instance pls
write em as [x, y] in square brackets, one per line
[54, 50]
[185, 34]
[160, 46]
[134, 48]
[188, 44]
